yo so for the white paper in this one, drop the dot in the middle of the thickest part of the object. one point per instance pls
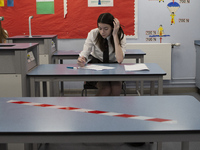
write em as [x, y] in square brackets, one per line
[100, 3]
[97, 67]
[65, 8]
[30, 57]
[136, 67]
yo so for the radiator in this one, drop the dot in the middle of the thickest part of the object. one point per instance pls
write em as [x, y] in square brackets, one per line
[159, 53]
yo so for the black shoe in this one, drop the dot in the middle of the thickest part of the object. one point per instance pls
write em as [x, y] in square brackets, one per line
[136, 144]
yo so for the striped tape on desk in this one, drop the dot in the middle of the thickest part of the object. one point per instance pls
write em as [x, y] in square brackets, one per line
[105, 113]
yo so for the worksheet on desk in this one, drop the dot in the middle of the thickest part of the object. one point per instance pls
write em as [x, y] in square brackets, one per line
[97, 67]
[136, 67]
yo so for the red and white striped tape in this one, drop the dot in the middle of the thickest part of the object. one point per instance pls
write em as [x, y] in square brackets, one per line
[105, 113]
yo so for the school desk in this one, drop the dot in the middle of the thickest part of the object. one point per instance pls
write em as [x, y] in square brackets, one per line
[73, 54]
[136, 54]
[47, 45]
[100, 119]
[60, 72]
[16, 59]
[197, 79]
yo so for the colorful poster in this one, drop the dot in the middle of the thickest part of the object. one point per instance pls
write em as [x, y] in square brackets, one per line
[1, 3]
[173, 7]
[80, 18]
[100, 3]
[45, 6]
[10, 3]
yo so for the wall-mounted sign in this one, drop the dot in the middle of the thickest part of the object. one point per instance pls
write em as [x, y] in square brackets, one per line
[100, 3]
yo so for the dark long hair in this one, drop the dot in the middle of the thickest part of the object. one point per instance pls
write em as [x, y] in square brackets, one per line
[3, 34]
[108, 18]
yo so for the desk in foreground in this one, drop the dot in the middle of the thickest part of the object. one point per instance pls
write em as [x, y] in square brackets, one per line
[55, 119]
[59, 72]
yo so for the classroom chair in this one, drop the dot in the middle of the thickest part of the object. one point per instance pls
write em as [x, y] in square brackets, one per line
[87, 86]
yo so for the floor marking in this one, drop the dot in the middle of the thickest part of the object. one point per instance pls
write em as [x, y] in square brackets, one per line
[99, 112]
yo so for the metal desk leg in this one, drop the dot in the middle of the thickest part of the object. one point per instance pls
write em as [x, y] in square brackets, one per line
[159, 145]
[56, 60]
[32, 86]
[152, 88]
[55, 88]
[62, 82]
[160, 85]
[16, 146]
[137, 85]
[185, 145]
[62, 88]
[142, 59]
[44, 87]
[56, 84]
[142, 87]
[137, 60]
[33, 146]
[3, 147]
[40, 91]
[137, 82]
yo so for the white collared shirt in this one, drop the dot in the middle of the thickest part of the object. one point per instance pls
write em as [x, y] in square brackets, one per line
[90, 47]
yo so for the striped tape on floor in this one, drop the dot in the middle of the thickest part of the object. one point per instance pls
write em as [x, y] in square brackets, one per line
[99, 112]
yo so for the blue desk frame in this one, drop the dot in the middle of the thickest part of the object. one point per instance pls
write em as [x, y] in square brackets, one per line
[59, 72]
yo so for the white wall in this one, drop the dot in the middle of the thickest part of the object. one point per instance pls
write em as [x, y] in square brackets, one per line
[152, 14]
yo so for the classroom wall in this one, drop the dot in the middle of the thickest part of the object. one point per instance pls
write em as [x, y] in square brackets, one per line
[150, 15]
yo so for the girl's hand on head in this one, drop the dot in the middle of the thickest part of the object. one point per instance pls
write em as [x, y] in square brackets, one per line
[116, 24]
[81, 61]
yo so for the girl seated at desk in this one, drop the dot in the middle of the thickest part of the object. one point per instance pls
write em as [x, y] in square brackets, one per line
[3, 34]
[106, 44]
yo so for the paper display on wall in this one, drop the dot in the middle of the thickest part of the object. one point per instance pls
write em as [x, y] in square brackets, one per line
[67, 23]
[30, 57]
[1, 3]
[65, 8]
[100, 3]
[45, 6]
[10, 3]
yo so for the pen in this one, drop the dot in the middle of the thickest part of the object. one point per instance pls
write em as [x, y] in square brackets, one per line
[72, 67]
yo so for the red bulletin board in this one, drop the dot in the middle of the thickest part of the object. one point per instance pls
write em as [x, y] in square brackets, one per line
[80, 18]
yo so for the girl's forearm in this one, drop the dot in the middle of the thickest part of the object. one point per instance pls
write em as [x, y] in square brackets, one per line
[118, 50]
